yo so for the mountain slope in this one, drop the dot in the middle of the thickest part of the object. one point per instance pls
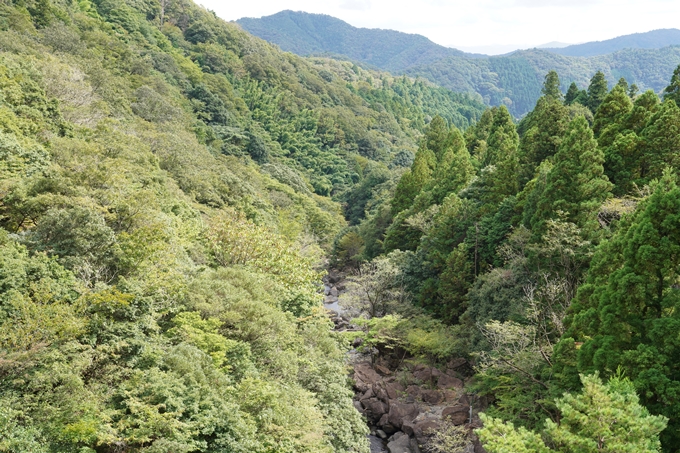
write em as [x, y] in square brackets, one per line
[655, 39]
[165, 206]
[514, 80]
[308, 34]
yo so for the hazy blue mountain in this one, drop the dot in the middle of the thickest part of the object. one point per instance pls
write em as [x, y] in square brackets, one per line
[655, 39]
[314, 34]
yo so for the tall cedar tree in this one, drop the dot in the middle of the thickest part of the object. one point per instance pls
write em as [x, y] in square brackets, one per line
[597, 91]
[544, 129]
[661, 142]
[413, 181]
[627, 314]
[672, 91]
[572, 94]
[454, 169]
[551, 86]
[610, 115]
[576, 185]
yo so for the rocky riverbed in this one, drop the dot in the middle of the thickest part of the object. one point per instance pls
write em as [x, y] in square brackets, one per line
[405, 403]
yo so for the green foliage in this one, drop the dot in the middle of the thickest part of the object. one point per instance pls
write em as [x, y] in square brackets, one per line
[603, 418]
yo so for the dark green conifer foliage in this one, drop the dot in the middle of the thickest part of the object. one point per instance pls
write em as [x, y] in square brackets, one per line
[611, 114]
[576, 185]
[633, 91]
[503, 139]
[627, 312]
[623, 83]
[454, 170]
[660, 142]
[414, 180]
[551, 86]
[672, 91]
[544, 129]
[437, 136]
[572, 94]
[597, 91]
[644, 107]
[454, 284]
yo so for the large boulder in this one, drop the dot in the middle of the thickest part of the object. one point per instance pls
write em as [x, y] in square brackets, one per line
[449, 382]
[433, 397]
[424, 429]
[364, 376]
[458, 415]
[401, 412]
[394, 390]
[375, 409]
[400, 443]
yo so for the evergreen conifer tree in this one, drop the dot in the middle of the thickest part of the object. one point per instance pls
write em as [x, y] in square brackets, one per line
[672, 91]
[597, 91]
[626, 313]
[551, 86]
[572, 94]
[414, 180]
[576, 185]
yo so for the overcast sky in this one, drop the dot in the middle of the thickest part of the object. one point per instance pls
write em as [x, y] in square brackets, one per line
[471, 24]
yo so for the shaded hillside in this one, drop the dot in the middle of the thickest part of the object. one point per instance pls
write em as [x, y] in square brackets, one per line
[308, 34]
[655, 39]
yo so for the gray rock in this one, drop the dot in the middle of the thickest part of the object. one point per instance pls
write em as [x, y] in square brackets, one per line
[381, 434]
[400, 443]
[334, 292]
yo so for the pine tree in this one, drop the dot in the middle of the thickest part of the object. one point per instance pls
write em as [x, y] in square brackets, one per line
[576, 185]
[551, 86]
[672, 91]
[572, 94]
[597, 91]
[623, 83]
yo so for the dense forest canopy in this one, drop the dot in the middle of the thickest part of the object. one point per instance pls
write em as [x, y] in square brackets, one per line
[169, 186]
[549, 249]
[172, 190]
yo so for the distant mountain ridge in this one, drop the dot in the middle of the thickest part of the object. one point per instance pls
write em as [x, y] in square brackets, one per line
[514, 79]
[655, 39]
[315, 34]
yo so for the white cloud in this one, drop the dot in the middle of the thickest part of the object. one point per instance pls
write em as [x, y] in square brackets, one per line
[481, 22]
[356, 5]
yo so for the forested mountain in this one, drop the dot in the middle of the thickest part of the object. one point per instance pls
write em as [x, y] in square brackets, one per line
[165, 207]
[513, 80]
[308, 34]
[655, 39]
[550, 250]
